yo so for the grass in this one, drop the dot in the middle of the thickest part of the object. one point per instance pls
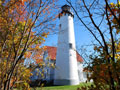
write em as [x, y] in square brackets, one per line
[67, 87]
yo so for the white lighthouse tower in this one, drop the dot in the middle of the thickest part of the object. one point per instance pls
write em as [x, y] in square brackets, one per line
[66, 72]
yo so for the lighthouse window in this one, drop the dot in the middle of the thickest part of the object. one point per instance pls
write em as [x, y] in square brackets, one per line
[70, 45]
[60, 25]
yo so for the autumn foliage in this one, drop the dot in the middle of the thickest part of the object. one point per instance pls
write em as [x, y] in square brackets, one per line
[24, 25]
[105, 65]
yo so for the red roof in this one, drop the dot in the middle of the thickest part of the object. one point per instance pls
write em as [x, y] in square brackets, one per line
[52, 53]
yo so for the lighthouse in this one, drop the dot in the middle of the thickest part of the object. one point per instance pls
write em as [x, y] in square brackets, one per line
[66, 71]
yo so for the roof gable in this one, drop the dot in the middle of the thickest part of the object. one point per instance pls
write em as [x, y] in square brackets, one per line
[53, 50]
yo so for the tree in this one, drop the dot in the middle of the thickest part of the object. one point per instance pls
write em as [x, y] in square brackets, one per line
[24, 25]
[102, 20]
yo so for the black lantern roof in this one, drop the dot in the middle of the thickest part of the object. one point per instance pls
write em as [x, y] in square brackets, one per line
[66, 9]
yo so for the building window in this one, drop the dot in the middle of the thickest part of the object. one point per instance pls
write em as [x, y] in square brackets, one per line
[70, 45]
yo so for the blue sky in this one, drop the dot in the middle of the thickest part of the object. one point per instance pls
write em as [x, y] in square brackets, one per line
[82, 36]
